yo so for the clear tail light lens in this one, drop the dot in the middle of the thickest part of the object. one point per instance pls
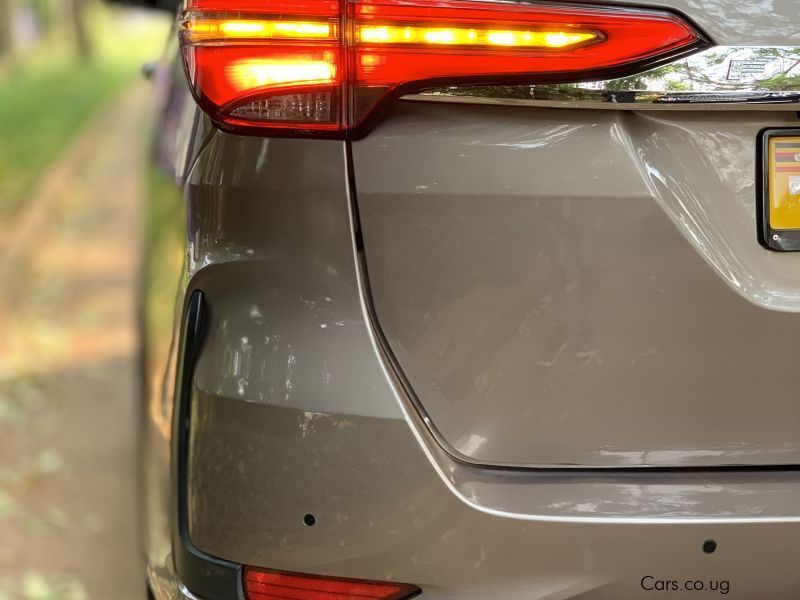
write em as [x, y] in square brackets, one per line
[264, 584]
[330, 67]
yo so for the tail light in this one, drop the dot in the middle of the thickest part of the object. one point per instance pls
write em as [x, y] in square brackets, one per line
[264, 584]
[330, 67]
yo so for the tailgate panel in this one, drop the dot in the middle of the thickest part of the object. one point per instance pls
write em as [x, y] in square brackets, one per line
[566, 287]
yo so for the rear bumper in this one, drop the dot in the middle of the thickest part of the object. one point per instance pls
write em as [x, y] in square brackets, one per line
[385, 510]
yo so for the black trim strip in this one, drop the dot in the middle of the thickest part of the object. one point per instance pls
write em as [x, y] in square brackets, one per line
[203, 575]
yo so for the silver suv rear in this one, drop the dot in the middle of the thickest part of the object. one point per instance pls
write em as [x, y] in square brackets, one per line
[478, 300]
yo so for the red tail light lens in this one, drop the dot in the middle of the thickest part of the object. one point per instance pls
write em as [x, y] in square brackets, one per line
[263, 584]
[328, 67]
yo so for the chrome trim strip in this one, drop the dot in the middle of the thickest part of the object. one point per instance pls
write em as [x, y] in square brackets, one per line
[725, 77]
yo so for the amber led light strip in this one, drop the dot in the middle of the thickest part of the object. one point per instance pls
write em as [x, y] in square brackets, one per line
[201, 29]
[471, 36]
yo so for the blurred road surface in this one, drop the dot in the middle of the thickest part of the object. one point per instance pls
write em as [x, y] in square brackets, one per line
[68, 414]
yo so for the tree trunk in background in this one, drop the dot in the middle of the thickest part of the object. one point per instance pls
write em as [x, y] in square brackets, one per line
[78, 10]
[5, 30]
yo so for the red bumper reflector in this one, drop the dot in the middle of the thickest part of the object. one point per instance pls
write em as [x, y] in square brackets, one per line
[264, 584]
[329, 68]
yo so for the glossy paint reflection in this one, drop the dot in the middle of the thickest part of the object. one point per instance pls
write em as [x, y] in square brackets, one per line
[720, 78]
[563, 311]
[273, 254]
[181, 135]
[388, 501]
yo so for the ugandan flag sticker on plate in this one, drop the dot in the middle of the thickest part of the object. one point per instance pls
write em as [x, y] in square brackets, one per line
[779, 190]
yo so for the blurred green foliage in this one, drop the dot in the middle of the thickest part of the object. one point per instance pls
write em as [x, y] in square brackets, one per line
[47, 92]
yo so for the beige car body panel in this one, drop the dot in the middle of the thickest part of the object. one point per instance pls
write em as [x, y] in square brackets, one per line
[389, 502]
[552, 305]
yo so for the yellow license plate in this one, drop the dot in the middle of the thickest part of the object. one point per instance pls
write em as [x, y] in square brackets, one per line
[780, 189]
